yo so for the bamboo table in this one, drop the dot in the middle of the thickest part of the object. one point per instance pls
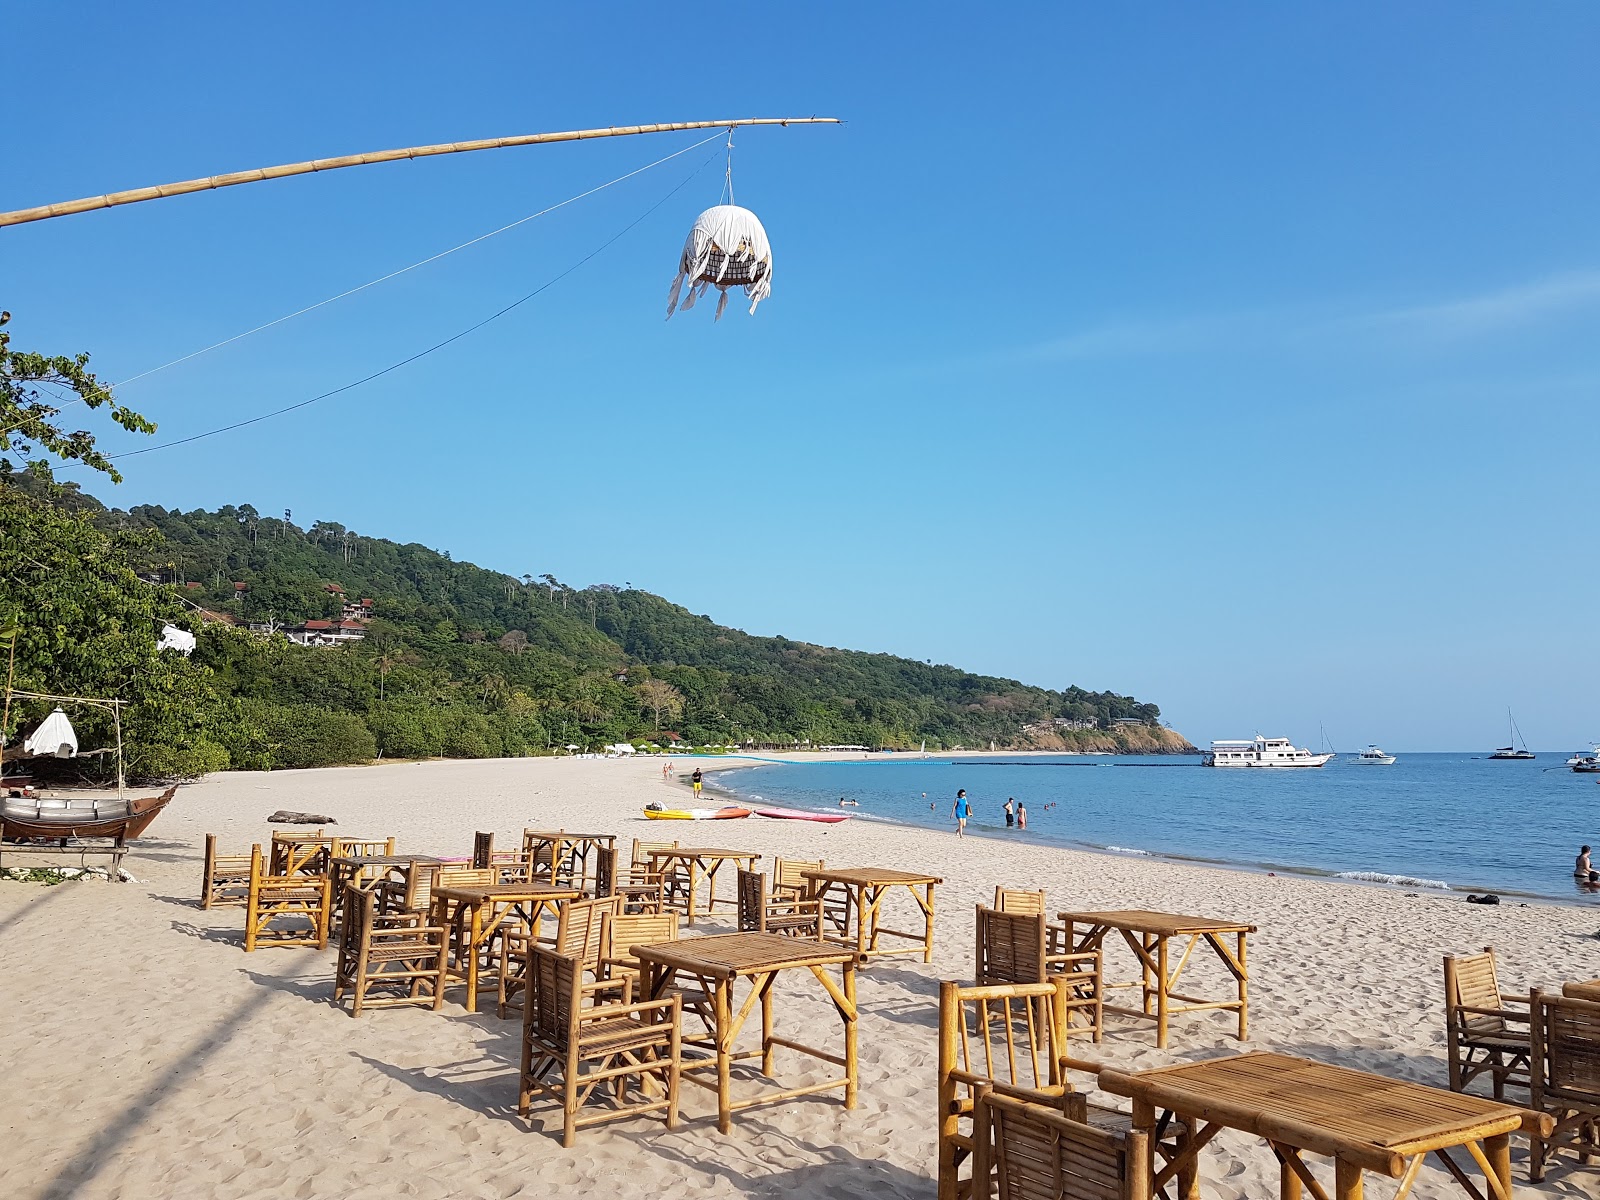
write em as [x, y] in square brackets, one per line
[300, 853]
[702, 863]
[1365, 1122]
[864, 889]
[1147, 934]
[717, 962]
[569, 853]
[1589, 989]
[489, 907]
[367, 871]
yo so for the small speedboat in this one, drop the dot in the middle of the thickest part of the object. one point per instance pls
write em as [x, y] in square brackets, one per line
[1374, 757]
[731, 812]
[1586, 764]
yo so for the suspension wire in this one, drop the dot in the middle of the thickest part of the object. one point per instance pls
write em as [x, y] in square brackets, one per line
[431, 349]
[729, 176]
[392, 274]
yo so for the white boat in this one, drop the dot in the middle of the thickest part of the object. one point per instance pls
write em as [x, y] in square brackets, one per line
[1512, 751]
[1262, 752]
[1374, 757]
[1586, 764]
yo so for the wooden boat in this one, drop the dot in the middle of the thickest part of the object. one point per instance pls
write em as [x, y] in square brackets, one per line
[798, 814]
[696, 814]
[30, 819]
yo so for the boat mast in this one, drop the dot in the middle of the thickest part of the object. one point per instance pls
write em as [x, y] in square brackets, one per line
[134, 195]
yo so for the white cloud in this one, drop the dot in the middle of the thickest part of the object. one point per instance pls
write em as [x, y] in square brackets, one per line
[1490, 312]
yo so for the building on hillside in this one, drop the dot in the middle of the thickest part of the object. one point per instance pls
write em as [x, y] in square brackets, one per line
[357, 610]
[1060, 725]
[1129, 723]
[333, 589]
[325, 633]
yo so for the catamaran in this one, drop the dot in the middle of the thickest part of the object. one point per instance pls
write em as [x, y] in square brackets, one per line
[1262, 752]
[1511, 751]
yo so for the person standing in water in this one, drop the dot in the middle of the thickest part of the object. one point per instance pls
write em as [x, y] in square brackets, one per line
[696, 779]
[1022, 815]
[1583, 868]
[961, 810]
[1009, 803]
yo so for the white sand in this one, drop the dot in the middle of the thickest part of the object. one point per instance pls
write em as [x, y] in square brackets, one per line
[142, 1054]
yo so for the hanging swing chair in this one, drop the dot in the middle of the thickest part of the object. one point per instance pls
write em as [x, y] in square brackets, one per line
[727, 248]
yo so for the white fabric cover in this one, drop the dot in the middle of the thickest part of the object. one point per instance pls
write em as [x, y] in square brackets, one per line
[727, 248]
[173, 638]
[54, 737]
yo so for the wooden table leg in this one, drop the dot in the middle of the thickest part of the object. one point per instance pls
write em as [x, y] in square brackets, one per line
[1144, 1120]
[1161, 993]
[1288, 1182]
[1497, 1150]
[722, 1004]
[765, 984]
[1346, 1180]
[694, 888]
[850, 1069]
[927, 935]
[475, 931]
[1244, 991]
[861, 920]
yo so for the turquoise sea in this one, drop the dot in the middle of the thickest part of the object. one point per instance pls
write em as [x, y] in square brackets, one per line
[1454, 821]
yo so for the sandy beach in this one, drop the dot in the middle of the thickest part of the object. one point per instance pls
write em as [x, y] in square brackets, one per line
[145, 1055]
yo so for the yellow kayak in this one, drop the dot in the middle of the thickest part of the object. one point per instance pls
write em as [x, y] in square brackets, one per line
[696, 814]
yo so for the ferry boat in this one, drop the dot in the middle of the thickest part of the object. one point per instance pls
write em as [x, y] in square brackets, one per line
[1261, 752]
[1374, 757]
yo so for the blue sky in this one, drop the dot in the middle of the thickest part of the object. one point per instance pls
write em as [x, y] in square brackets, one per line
[1237, 357]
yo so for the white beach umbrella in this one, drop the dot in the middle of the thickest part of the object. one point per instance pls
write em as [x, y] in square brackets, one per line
[54, 737]
[727, 248]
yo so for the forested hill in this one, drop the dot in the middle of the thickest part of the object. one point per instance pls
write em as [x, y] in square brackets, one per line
[459, 660]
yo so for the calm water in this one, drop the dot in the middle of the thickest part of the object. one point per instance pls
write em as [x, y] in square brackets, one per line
[1447, 820]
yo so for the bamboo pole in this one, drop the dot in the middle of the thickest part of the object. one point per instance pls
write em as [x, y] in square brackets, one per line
[134, 195]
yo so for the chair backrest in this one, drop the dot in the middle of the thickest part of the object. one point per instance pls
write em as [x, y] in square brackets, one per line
[605, 871]
[786, 874]
[360, 910]
[424, 879]
[1470, 982]
[579, 926]
[752, 900]
[351, 847]
[1038, 1153]
[482, 849]
[1011, 946]
[619, 930]
[554, 994]
[1566, 1046]
[990, 1036]
[641, 852]
[1016, 900]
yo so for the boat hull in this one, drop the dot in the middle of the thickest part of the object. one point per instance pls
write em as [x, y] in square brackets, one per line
[46, 820]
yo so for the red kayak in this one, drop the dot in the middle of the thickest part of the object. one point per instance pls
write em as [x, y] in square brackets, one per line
[796, 814]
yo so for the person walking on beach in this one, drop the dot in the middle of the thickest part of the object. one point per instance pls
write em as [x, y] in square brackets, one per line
[961, 810]
[1009, 818]
[696, 779]
[1022, 815]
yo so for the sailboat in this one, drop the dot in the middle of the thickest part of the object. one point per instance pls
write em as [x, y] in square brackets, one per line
[1511, 751]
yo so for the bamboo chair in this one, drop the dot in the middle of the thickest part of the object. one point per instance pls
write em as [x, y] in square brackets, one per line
[761, 913]
[1036, 1152]
[1016, 947]
[1565, 1077]
[397, 957]
[1481, 1031]
[560, 1036]
[482, 849]
[578, 928]
[1015, 900]
[274, 901]
[621, 930]
[226, 881]
[353, 847]
[990, 1040]
[299, 853]
[640, 891]
[674, 877]
[787, 880]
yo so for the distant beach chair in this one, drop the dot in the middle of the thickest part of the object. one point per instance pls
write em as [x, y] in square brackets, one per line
[761, 913]
[1016, 947]
[560, 1035]
[990, 1043]
[1565, 1079]
[1036, 1152]
[1483, 1032]
[285, 910]
[387, 961]
[226, 879]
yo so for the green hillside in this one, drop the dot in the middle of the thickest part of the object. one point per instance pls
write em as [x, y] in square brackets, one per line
[461, 661]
